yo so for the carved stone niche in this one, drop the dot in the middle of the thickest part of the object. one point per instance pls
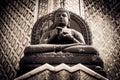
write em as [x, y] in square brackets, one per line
[38, 54]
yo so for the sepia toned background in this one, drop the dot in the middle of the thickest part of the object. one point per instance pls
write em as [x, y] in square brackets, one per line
[17, 18]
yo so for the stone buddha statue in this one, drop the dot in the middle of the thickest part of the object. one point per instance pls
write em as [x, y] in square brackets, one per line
[63, 34]
[60, 44]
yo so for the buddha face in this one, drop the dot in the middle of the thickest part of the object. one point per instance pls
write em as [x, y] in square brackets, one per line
[61, 19]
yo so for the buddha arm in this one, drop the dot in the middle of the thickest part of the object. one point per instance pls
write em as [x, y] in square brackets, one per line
[51, 39]
[77, 37]
[76, 41]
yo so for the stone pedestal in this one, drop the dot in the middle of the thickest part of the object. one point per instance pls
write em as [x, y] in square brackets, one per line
[86, 55]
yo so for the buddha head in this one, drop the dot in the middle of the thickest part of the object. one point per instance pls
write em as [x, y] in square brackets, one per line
[61, 17]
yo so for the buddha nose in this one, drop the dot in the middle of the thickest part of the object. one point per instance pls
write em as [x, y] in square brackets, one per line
[61, 17]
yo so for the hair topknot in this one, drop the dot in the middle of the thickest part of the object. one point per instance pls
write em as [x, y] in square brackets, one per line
[62, 10]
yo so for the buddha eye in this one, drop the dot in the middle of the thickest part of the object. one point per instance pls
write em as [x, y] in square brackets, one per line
[64, 15]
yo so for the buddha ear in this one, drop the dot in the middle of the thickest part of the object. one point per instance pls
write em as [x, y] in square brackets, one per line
[53, 24]
[69, 23]
[52, 19]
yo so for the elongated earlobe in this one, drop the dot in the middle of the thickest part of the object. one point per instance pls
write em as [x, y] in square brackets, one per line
[69, 23]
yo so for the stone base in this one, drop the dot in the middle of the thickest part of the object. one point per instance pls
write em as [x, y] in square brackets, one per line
[33, 61]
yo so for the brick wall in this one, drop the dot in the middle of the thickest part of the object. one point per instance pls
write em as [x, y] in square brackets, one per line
[103, 17]
[16, 22]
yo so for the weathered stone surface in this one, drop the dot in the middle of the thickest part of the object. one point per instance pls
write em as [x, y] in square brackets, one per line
[80, 75]
[45, 75]
[60, 57]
